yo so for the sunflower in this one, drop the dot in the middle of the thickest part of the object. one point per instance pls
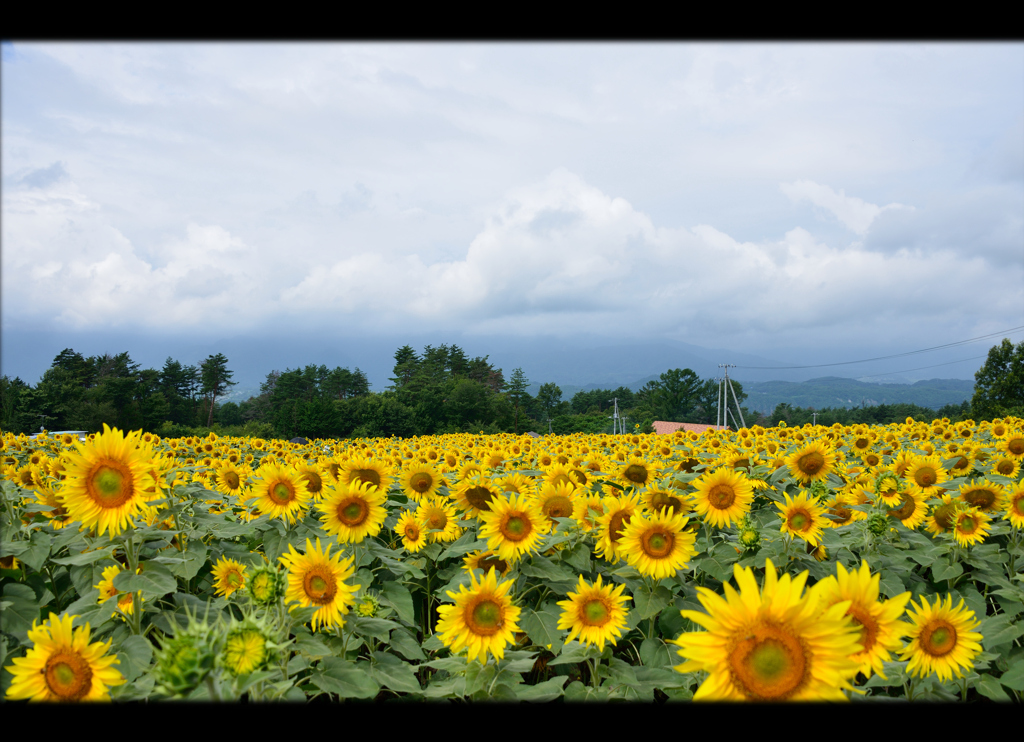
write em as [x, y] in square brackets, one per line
[557, 500]
[559, 474]
[62, 665]
[412, 534]
[484, 560]
[474, 495]
[106, 480]
[769, 644]
[658, 546]
[840, 513]
[313, 475]
[232, 479]
[353, 512]
[803, 516]
[880, 626]
[318, 579]
[513, 527]
[280, 493]
[986, 496]
[1006, 466]
[228, 576]
[438, 515]
[943, 639]
[420, 480]
[125, 602]
[595, 613]
[638, 473]
[483, 619]
[722, 497]
[617, 513]
[245, 650]
[365, 469]
[1015, 506]
[970, 525]
[811, 463]
[927, 473]
[656, 498]
[912, 510]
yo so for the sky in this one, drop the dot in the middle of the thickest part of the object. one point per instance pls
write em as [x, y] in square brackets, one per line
[803, 204]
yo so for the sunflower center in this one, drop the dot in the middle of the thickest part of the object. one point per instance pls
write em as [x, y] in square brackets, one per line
[617, 524]
[367, 475]
[938, 638]
[68, 675]
[579, 476]
[485, 618]
[925, 476]
[660, 500]
[943, 516]
[636, 473]
[810, 463]
[437, 520]
[281, 493]
[721, 497]
[1005, 467]
[353, 512]
[231, 479]
[842, 514]
[234, 579]
[799, 521]
[871, 459]
[110, 484]
[768, 663]
[558, 506]
[658, 544]
[595, 613]
[314, 483]
[905, 510]
[500, 565]
[1015, 446]
[868, 627]
[980, 498]
[421, 482]
[320, 586]
[561, 478]
[480, 498]
[412, 532]
[516, 528]
[967, 525]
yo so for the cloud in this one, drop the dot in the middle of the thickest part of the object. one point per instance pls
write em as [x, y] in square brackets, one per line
[856, 214]
[45, 177]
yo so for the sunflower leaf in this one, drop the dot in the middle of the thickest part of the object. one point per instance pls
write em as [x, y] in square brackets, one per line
[989, 687]
[87, 557]
[651, 602]
[398, 597]
[998, 630]
[345, 679]
[1014, 677]
[20, 611]
[943, 571]
[542, 626]
[154, 582]
[403, 642]
[135, 654]
[390, 672]
[549, 690]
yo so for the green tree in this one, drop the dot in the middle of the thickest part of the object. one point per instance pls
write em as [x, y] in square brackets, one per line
[549, 396]
[515, 390]
[999, 384]
[216, 380]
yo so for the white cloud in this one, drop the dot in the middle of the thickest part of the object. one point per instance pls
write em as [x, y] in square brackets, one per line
[855, 213]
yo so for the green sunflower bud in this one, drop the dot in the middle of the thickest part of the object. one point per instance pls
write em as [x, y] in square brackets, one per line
[184, 660]
[878, 524]
[367, 606]
[750, 539]
[246, 648]
[266, 586]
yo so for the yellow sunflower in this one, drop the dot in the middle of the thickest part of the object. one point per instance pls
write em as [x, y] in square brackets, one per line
[435, 514]
[595, 613]
[483, 619]
[722, 497]
[927, 473]
[803, 516]
[228, 576]
[617, 513]
[940, 518]
[840, 513]
[353, 512]
[474, 495]
[879, 621]
[513, 527]
[970, 525]
[280, 492]
[556, 500]
[658, 546]
[912, 510]
[420, 480]
[1015, 506]
[106, 480]
[637, 472]
[62, 665]
[365, 469]
[984, 495]
[232, 479]
[125, 602]
[484, 560]
[943, 639]
[316, 578]
[245, 650]
[772, 644]
[413, 537]
[811, 463]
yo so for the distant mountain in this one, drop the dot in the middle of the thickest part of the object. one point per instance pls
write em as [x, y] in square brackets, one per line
[834, 391]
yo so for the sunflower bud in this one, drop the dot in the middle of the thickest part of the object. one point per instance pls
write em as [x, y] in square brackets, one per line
[185, 659]
[247, 647]
[750, 539]
[367, 606]
[266, 586]
[878, 524]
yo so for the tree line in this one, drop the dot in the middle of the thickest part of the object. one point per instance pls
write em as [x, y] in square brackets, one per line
[435, 391]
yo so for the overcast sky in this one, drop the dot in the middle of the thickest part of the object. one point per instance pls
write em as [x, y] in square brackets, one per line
[812, 202]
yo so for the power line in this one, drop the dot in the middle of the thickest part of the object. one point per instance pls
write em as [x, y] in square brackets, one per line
[897, 355]
[921, 368]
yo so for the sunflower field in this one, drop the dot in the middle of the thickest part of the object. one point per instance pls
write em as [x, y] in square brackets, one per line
[816, 563]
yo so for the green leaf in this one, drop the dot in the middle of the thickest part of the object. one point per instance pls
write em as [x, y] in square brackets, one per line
[447, 688]
[20, 609]
[574, 652]
[390, 672]
[377, 628]
[890, 585]
[542, 626]
[155, 581]
[194, 557]
[549, 690]
[398, 597]
[346, 679]
[990, 688]
[997, 630]
[650, 603]
[87, 557]
[135, 654]
[1014, 677]
[311, 645]
[35, 555]
[545, 569]
[654, 652]
[943, 571]
[403, 642]
[467, 543]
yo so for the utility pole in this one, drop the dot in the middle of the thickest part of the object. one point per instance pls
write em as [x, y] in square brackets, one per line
[615, 417]
[814, 418]
[726, 388]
